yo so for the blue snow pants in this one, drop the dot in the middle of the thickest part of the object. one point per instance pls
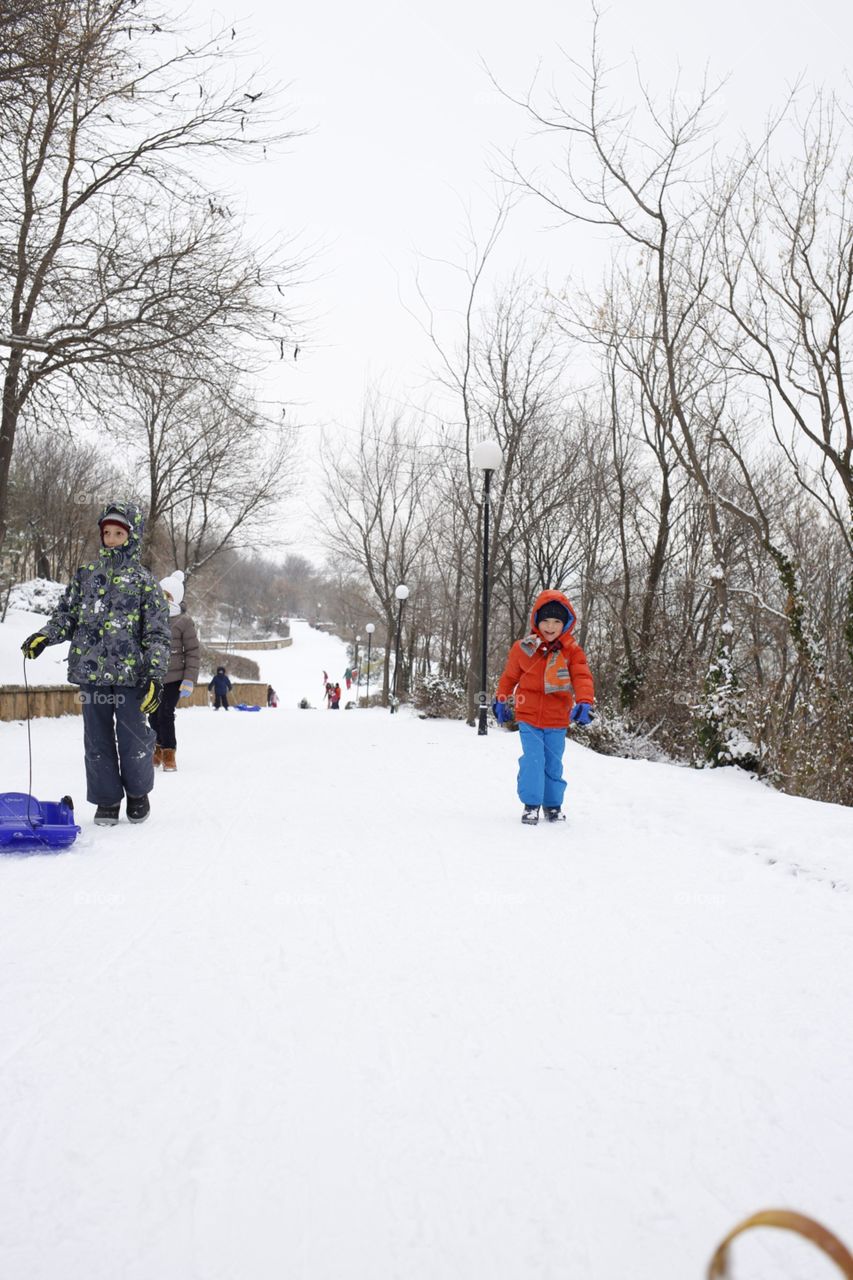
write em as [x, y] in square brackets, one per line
[118, 743]
[540, 766]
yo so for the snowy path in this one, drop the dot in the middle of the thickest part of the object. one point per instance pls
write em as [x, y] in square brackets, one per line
[333, 1013]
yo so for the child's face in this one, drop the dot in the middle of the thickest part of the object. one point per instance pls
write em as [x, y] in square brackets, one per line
[114, 535]
[551, 628]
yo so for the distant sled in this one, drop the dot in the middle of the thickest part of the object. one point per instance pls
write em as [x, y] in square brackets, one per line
[28, 825]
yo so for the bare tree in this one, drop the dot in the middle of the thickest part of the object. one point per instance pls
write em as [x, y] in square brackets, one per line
[376, 513]
[638, 177]
[786, 246]
[212, 464]
[111, 249]
[58, 487]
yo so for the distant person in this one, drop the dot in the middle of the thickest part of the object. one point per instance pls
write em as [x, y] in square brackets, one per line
[335, 700]
[221, 686]
[348, 677]
[330, 689]
[544, 673]
[272, 696]
[181, 676]
[115, 616]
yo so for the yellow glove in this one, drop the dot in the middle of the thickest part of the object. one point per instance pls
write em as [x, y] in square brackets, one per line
[151, 701]
[33, 645]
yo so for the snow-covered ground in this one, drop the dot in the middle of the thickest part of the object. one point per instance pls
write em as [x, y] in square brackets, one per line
[334, 1014]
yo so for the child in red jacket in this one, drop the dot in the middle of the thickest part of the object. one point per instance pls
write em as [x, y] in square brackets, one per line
[540, 675]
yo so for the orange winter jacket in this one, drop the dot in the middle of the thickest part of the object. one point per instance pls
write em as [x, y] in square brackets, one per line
[543, 676]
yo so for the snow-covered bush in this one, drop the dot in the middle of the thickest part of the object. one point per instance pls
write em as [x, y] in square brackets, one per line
[40, 595]
[438, 697]
[613, 735]
[720, 714]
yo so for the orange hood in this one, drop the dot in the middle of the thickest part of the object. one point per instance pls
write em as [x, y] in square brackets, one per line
[545, 597]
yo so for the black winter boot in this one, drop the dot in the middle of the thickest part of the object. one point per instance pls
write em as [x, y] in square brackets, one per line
[554, 815]
[138, 808]
[106, 815]
[530, 817]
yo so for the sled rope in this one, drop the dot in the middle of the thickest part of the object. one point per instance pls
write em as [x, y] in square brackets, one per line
[790, 1221]
[29, 750]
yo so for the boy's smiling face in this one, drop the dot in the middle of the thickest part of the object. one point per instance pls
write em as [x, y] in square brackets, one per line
[550, 628]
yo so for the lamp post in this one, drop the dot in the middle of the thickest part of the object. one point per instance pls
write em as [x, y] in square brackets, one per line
[355, 656]
[319, 609]
[402, 594]
[486, 457]
[370, 628]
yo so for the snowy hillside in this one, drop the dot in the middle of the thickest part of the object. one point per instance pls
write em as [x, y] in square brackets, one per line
[333, 1013]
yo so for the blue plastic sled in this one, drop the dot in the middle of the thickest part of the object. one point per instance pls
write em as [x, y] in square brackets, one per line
[28, 825]
[241, 706]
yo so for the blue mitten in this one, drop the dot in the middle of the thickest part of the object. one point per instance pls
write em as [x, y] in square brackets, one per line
[502, 711]
[581, 714]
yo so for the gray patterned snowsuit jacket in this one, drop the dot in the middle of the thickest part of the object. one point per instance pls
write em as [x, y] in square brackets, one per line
[115, 615]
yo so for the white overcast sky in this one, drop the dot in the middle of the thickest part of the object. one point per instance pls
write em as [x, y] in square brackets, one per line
[404, 126]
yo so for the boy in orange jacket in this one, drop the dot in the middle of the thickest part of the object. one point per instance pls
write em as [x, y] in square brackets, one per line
[540, 675]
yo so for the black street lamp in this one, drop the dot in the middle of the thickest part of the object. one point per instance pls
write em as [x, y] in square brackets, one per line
[370, 628]
[402, 594]
[355, 656]
[486, 457]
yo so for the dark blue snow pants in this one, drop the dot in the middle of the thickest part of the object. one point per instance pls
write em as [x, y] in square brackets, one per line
[118, 743]
[540, 767]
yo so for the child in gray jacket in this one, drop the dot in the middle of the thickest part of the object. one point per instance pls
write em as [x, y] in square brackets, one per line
[114, 614]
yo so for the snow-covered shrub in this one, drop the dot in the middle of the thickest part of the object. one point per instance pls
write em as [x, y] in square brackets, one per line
[361, 703]
[613, 735]
[438, 697]
[40, 595]
[719, 716]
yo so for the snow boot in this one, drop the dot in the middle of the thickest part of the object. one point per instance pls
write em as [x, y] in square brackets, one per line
[530, 817]
[138, 808]
[554, 815]
[106, 815]
[169, 764]
[158, 756]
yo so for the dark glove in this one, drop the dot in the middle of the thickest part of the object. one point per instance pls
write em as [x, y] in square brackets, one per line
[151, 701]
[503, 712]
[581, 714]
[33, 645]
